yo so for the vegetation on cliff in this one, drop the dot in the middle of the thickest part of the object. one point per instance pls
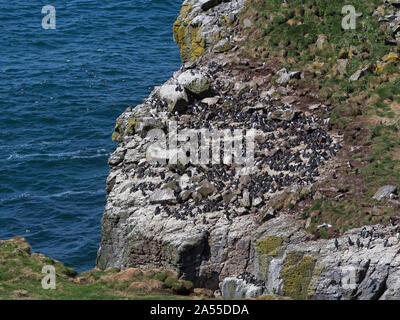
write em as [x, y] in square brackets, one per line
[355, 74]
[21, 278]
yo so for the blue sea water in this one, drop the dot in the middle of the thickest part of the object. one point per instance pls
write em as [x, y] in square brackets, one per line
[60, 93]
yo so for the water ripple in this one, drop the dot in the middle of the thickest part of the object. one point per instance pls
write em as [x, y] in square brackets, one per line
[60, 93]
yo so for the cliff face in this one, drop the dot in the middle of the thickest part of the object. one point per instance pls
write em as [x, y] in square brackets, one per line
[217, 225]
[204, 26]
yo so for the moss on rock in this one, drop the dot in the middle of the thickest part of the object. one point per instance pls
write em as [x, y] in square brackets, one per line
[296, 275]
[269, 245]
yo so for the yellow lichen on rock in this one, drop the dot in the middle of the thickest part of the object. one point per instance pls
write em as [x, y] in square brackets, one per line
[269, 245]
[188, 37]
[296, 275]
[391, 57]
[121, 130]
[189, 40]
[198, 43]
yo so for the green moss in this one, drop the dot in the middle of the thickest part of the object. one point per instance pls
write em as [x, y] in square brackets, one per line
[162, 276]
[178, 286]
[269, 245]
[296, 275]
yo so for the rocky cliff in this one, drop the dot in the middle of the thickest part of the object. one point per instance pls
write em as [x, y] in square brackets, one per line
[260, 231]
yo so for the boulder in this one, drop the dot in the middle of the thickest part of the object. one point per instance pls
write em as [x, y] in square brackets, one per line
[206, 189]
[211, 101]
[223, 46]
[164, 196]
[175, 96]
[194, 81]
[281, 115]
[385, 192]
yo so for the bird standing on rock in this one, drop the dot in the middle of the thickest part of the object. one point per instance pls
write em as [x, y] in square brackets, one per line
[386, 243]
[336, 244]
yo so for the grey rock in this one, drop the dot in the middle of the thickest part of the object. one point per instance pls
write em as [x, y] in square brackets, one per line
[194, 81]
[198, 30]
[164, 196]
[247, 23]
[357, 75]
[185, 195]
[234, 289]
[246, 201]
[385, 192]
[223, 46]
[210, 101]
[147, 123]
[268, 214]
[175, 96]
[227, 195]
[206, 189]
[257, 201]
[287, 114]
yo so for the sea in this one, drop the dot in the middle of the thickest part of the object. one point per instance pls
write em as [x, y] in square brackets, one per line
[66, 74]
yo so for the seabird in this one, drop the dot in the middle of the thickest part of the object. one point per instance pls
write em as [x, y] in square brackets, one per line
[336, 244]
[350, 242]
[349, 164]
[369, 243]
[386, 243]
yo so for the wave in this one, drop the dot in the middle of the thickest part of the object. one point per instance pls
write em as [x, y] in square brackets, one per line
[79, 154]
[63, 194]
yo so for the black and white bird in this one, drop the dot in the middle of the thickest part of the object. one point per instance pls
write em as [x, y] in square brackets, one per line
[363, 232]
[336, 244]
[349, 165]
[351, 243]
[369, 243]
[386, 243]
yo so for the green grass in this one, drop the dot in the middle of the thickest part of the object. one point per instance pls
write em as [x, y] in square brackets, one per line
[20, 278]
[382, 168]
[287, 34]
[296, 44]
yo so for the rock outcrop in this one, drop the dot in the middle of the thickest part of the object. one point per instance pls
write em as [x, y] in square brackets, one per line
[212, 222]
[205, 25]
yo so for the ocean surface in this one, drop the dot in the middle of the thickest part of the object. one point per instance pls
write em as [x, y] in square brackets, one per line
[60, 93]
